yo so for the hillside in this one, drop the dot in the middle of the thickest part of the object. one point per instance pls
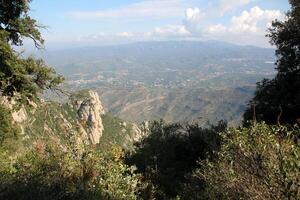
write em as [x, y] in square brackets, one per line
[82, 119]
[178, 104]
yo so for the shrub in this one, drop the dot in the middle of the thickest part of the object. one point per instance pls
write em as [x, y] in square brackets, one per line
[170, 152]
[50, 171]
[9, 132]
[260, 162]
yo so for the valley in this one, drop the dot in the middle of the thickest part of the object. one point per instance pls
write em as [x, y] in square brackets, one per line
[177, 81]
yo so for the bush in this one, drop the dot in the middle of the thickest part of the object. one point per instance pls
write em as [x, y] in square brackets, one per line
[9, 132]
[170, 152]
[260, 162]
[51, 172]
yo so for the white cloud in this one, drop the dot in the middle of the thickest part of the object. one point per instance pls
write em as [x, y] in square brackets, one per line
[159, 33]
[126, 34]
[193, 14]
[169, 31]
[193, 17]
[254, 21]
[148, 8]
[230, 5]
[248, 27]
[215, 29]
[109, 38]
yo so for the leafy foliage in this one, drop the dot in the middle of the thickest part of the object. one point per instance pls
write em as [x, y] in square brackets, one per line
[172, 151]
[51, 172]
[260, 162]
[9, 132]
[26, 77]
[17, 24]
[278, 100]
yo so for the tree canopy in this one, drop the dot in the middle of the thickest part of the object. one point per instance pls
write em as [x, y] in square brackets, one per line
[17, 24]
[25, 77]
[278, 100]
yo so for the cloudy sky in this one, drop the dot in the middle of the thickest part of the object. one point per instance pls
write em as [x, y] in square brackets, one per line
[102, 22]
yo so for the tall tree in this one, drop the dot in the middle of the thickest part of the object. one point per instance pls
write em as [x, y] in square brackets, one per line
[25, 77]
[278, 100]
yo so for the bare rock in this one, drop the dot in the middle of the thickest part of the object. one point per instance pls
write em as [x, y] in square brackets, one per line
[19, 115]
[90, 109]
[138, 133]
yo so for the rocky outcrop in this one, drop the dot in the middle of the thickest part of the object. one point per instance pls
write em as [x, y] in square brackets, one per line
[136, 133]
[89, 110]
[19, 115]
[81, 119]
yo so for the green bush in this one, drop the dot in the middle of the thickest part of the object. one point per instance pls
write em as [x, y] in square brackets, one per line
[260, 162]
[51, 172]
[170, 152]
[9, 132]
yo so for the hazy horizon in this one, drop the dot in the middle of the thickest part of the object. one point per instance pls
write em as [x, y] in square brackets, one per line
[100, 23]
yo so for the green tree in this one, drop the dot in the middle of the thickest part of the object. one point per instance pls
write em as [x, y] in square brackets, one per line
[278, 100]
[172, 151]
[18, 76]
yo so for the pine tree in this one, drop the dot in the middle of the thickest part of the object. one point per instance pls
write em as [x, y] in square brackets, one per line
[25, 77]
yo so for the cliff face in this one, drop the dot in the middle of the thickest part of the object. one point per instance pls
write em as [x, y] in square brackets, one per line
[80, 120]
[89, 109]
[19, 116]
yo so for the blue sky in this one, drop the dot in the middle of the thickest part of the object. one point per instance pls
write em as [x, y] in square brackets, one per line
[101, 22]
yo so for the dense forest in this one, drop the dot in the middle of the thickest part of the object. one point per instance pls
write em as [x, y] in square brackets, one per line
[48, 150]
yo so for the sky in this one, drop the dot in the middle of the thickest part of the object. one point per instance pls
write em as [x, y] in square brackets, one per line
[103, 22]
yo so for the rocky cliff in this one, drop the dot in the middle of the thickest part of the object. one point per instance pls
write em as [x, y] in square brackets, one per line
[82, 118]
[89, 109]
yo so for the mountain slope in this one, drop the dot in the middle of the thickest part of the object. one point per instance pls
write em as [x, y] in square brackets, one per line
[82, 119]
[178, 104]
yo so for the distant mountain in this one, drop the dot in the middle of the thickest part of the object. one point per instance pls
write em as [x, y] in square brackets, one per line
[147, 80]
[174, 54]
